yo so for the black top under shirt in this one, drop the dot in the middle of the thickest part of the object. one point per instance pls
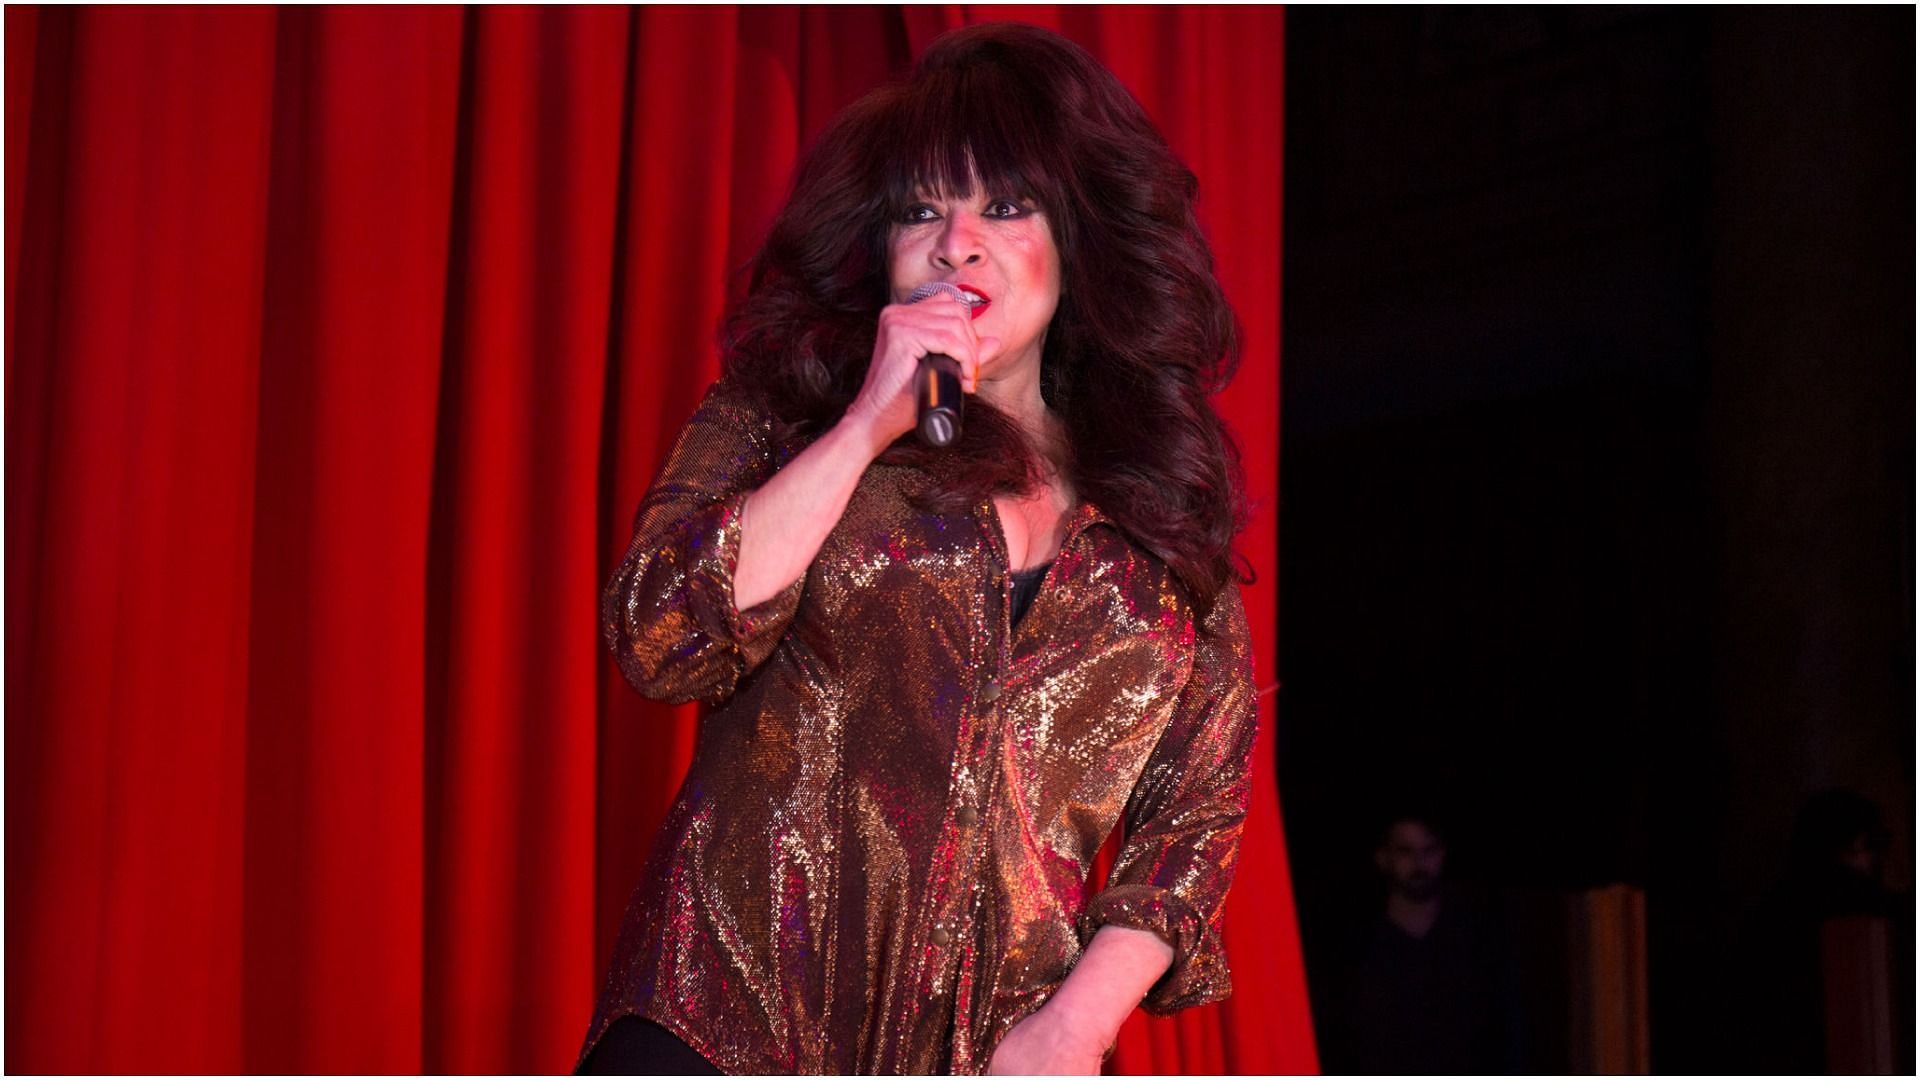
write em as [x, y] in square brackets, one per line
[1026, 585]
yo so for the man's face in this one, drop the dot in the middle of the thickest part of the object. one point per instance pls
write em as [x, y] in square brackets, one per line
[1411, 859]
[1861, 857]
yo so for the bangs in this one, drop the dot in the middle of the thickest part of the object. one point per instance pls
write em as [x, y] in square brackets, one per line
[982, 125]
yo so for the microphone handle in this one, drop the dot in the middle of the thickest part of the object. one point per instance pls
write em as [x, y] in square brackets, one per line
[938, 399]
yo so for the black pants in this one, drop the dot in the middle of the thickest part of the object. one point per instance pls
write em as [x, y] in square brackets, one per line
[636, 1046]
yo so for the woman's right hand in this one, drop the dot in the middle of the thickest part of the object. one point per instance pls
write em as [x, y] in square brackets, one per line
[785, 521]
[884, 408]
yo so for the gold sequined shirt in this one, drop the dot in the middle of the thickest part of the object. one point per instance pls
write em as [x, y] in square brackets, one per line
[879, 859]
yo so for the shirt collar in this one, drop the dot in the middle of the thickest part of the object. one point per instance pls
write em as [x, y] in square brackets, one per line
[1084, 516]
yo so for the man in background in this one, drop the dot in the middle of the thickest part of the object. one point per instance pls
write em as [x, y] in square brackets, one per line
[1427, 986]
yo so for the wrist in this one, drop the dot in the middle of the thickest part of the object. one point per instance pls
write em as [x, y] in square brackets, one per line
[1073, 1030]
[860, 431]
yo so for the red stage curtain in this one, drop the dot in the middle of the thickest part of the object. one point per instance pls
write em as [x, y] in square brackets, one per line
[341, 346]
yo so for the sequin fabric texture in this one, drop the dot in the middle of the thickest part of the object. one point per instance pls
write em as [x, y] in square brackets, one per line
[878, 861]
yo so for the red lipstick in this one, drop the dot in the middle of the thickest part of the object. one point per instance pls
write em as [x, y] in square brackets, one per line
[985, 300]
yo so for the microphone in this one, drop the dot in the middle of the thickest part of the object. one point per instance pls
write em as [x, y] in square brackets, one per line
[936, 387]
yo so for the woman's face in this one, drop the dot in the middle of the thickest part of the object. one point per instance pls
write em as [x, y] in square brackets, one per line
[997, 247]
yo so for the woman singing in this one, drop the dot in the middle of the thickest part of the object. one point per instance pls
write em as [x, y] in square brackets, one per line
[938, 678]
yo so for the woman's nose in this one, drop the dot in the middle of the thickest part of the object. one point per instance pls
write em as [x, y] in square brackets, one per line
[959, 243]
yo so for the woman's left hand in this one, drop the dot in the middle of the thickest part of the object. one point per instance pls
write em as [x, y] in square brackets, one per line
[1045, 1045]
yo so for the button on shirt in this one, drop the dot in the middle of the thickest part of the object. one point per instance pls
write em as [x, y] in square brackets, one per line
[879, 860]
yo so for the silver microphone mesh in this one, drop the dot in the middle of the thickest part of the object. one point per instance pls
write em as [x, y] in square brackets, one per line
[933, 288]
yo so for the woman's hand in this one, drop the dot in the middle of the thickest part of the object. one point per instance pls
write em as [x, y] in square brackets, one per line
[884, 408]
[786, 520]
[1071, 1032]
[1048, 1043]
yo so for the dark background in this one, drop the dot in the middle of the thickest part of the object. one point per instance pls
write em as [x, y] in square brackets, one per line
[1597, 454]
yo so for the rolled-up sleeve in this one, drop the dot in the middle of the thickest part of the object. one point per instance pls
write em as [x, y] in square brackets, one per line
[668, 611]
[1184, 819]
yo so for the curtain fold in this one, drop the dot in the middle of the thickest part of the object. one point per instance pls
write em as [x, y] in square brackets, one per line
[342, 343]
[133, 390]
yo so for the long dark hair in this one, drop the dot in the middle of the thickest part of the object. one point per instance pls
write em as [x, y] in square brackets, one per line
[1142, 335]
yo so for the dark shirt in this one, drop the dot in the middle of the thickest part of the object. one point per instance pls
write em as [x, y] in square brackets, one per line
[1775, 1012]
[1026, 586]
[1437, 1004]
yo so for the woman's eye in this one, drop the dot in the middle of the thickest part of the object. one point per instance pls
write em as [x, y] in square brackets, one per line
[918, 212]
[1005, 208]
